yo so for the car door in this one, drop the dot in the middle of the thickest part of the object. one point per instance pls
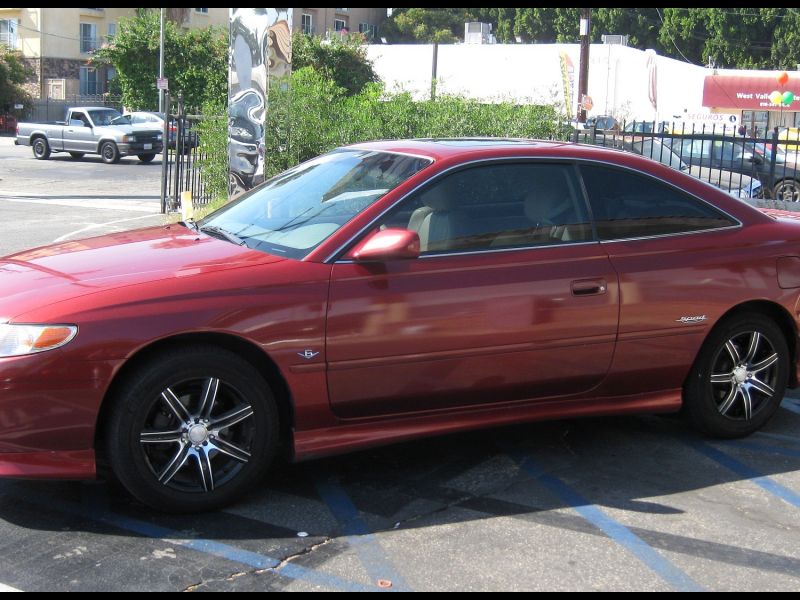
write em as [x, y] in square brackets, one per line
[77, 138]
[512, 299]
[679, 268]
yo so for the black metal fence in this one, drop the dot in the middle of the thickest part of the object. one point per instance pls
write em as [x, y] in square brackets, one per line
[743, 165]
[184, 159]
[47, 109]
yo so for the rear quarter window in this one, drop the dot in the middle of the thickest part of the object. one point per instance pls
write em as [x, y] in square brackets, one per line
[628, 205]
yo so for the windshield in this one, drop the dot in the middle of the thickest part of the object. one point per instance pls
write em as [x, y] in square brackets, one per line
[294, 212]
[103, 117]
[121, 120]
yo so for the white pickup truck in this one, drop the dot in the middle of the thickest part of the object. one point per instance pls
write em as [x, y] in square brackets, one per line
[88, 130]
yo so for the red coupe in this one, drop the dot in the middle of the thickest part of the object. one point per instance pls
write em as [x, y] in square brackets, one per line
[387, 291]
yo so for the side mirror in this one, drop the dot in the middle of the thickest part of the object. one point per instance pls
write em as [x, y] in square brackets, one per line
[389, 244]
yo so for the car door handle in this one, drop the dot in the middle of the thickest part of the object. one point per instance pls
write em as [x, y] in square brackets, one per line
[589, 287]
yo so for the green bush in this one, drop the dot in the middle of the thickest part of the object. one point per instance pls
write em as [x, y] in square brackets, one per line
[312, 115]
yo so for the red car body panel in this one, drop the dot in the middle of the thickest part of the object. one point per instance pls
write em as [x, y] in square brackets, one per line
[375, 353]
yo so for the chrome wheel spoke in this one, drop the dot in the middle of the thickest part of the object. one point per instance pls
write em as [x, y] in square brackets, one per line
[208, 397]
[731, 348]
[175, 405]
[729, 400]
[755, 341]
[764, 364]
[747, 402]
[231, 418]
[204, 469]
[231, 450]
[160, 437]
[760, 386]
[721, 377]
[175, 465]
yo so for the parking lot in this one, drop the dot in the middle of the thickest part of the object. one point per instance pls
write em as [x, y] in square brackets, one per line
[624, 503]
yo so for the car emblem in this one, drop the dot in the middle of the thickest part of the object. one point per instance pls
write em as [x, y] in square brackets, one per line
[688, 320]
[307, 354]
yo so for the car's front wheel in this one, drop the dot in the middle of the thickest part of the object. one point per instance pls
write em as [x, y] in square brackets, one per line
[739, 378]
[109, 153]
[191, 430]
[146, 158]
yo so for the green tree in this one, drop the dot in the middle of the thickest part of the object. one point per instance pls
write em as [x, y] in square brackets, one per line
[343, 60]
[195, 61]
[13, 73]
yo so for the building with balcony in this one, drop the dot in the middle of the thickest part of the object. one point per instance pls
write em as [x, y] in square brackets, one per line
[57, 43]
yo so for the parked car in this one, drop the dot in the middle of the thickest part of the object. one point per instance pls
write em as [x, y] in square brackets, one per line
[89, 130]
[743, 155]
[738, 185]
[388, 291]
[145, 120]
[603, 123]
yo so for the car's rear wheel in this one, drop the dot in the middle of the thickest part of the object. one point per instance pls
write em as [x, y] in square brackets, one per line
[41, 149]
[146, 158]
[739, 378]
[191, 430]
[109, 153]
[788, 190]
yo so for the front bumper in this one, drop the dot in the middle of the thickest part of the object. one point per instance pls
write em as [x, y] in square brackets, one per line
[137, 148]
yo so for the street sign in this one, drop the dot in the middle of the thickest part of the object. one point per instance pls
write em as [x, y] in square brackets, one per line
[162, 83]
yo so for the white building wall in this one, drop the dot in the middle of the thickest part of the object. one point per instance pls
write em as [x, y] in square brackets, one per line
[531, 73]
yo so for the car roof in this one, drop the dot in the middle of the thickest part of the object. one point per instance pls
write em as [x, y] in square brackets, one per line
[487, 148]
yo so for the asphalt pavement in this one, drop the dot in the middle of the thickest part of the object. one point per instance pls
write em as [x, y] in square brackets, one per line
[42, 202]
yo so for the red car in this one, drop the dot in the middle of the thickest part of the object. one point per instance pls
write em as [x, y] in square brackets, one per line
[388, 291]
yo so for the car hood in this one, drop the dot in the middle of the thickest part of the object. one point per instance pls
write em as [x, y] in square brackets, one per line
[51, 274]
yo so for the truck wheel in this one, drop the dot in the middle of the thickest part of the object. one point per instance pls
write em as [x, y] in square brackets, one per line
[41, 149]
[77, 155]
[146, 158]
[109, 153]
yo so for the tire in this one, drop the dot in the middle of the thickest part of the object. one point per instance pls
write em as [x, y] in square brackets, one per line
[77, 155]
[739, 377]
[109, 153]
[162, 403]
[788, 190]
[146, 158]
[41, 149]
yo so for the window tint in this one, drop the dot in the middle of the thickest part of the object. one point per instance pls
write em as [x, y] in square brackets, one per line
[629, 205]
[496, 206]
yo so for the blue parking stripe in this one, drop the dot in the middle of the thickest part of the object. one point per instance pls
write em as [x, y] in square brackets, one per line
[615, 530]
[767, 448]
[255, 560]
[765, 483]
[789, 439]
[791, 404]
[359, 536]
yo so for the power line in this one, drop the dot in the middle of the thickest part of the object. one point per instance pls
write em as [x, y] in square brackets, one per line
[672, 39]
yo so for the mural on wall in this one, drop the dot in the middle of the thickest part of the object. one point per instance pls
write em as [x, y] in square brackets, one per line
[260, 48]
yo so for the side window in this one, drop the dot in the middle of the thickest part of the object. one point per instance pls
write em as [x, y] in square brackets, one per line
[728, 151]
[629, 205]
[496, 206]
[700, 149]
[80, 116]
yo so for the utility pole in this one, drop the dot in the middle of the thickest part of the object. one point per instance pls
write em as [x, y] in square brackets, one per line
[583, 78]
[161, 66]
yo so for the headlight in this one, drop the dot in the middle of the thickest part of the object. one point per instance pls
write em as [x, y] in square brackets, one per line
[128, 139]
[159, 136]
[18, 340]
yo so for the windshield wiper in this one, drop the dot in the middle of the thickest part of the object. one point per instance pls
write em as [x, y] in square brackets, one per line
[222, 234]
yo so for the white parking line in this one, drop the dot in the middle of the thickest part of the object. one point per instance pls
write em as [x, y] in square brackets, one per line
[115, 204]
